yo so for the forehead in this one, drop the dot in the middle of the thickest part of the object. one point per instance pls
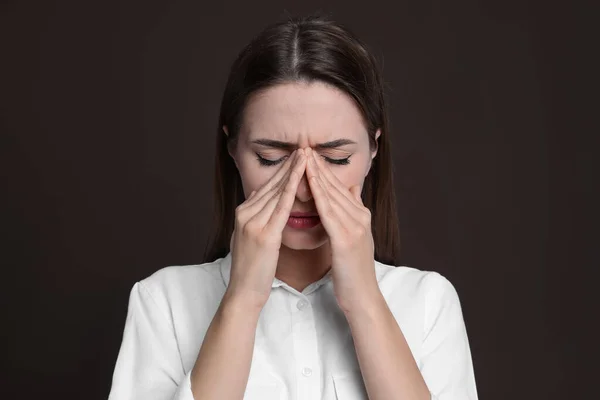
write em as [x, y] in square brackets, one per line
[303, 113]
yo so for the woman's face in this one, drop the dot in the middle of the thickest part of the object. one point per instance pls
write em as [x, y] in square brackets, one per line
[299, 115]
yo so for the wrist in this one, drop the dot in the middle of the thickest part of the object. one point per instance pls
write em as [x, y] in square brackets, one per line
[368, 303]
[242, 301]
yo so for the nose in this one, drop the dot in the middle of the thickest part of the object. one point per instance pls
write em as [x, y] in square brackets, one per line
[303, 193]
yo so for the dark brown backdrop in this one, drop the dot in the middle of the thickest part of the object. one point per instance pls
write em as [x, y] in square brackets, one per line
[108, 121]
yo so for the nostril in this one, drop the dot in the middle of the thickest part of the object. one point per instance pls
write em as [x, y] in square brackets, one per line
[303, 192]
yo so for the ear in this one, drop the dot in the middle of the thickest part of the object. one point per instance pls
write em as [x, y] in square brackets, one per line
[374, 152]
[231, 154]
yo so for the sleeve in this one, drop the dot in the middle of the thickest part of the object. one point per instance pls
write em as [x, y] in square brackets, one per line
[148, 365]
[446, 363]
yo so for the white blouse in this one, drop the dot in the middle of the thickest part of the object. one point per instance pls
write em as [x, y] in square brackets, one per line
[303, 347]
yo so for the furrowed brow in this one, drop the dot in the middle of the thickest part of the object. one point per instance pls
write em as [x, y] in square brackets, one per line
[334, 143]
[291, 146]
[275, 144]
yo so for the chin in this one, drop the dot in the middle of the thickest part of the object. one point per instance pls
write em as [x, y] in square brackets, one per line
[304, 239]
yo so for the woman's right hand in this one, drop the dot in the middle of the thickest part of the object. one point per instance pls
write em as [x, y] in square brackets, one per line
[256, 238]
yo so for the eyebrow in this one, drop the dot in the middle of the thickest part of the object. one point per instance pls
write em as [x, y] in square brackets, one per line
[290, 146]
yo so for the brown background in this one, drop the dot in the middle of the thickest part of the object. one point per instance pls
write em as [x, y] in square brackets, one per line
[108, 120]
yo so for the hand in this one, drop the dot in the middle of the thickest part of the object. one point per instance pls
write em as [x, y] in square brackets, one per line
[256, 238]
[348, 224]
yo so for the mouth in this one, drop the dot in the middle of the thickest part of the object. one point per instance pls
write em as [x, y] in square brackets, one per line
[303, 220]
[307, 214]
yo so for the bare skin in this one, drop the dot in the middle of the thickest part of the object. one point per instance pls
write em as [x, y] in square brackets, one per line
[293, 143]
[302, 116]
[223, 364]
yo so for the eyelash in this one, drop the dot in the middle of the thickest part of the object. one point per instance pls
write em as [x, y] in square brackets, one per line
[267, 163]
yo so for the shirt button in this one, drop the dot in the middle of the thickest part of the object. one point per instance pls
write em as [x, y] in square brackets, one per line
[301, 304]
[306, 371]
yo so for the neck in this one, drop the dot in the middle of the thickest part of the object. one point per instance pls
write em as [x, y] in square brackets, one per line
[300, 268]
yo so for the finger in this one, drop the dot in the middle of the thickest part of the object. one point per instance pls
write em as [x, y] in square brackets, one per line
[327, 213]
[258, 202]
[345, 210]
[287, 189]
[274, 181]
[336, 198]
[281, 213]
[348, 206]
[277, 179]
[356, 191]
[311, 168]
[339, 200]
[331, 180]
[344, 202]
[343, 207]
[263, 217]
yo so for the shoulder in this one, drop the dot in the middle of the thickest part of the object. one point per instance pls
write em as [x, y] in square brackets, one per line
[175, 284]
[411, 279]
[427, 288]
[421, 301]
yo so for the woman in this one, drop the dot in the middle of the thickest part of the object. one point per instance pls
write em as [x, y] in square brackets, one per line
[299, 296]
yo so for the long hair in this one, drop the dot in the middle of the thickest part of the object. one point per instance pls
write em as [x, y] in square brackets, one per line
[306, 49]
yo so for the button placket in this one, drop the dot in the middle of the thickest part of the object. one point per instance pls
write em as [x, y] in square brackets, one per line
[301, 305]
[305, 350]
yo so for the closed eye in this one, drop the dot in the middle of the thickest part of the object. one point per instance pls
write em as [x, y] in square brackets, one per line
[338, 161]
[268, 162]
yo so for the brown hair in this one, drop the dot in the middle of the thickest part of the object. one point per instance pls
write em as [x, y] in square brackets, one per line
[306, 49]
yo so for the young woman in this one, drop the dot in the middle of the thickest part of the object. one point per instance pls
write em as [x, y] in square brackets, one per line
[300, 296]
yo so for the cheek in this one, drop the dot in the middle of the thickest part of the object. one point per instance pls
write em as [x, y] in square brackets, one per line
[350, 175]
[253, 175]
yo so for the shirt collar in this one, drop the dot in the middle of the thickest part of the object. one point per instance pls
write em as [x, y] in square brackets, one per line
[225, 266]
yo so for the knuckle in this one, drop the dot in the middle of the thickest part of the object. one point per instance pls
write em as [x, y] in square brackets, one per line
[354, 235]
[330, 212]
[293, 174]
[275, 191]
[360, 232]
[365, 216]
[278, 210]
[266, 239]
[366, 219]
[251, 228]
[239, 212]
[287, 190]
[367, 213]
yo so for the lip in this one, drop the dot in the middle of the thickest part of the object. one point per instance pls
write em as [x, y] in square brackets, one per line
[301, 221]
[298, 214]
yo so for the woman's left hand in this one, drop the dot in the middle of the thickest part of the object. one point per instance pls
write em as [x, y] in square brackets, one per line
[348, 224]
